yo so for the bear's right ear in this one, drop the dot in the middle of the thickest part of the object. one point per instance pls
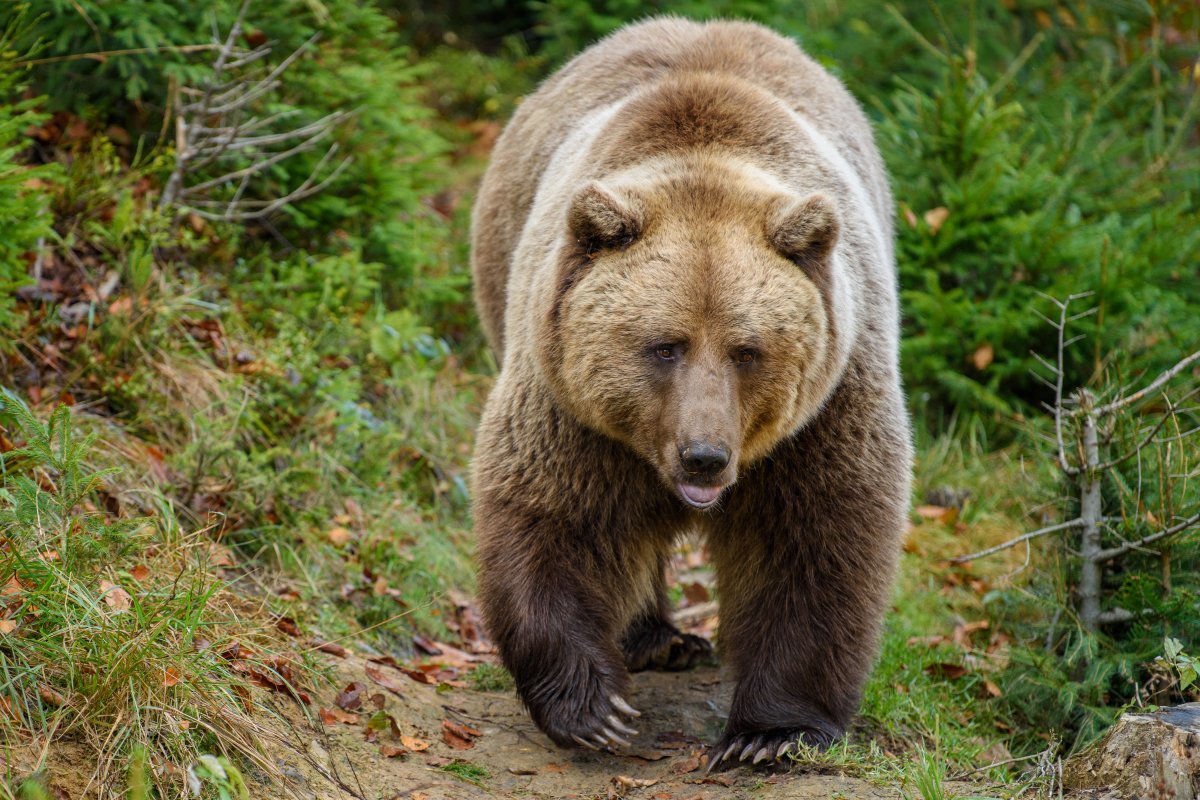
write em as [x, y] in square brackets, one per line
[805, 231]
[600, 219]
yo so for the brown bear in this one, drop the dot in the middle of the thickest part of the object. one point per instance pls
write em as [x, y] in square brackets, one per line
[683, 259]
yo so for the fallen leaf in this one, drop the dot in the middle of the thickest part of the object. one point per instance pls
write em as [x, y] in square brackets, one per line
[244, 695]
[695, 592]
[339, 536]
[332, 716]
[114, 596]
[219, 555]
[991, 689]
[944, 670]
[287, 625]
[690, 764]
[379, 722]
[936, 217]
[8, 625]
[983, 356]
[523, 770]
[426, 646]
[50, 697]
[351, 698]
[963, 631]
[942, 514]
[391, 751]
[386, 681]
[330, 648]
[414, 744]
[140, 573]
[458, 736]
[170, 677]
[421, 677]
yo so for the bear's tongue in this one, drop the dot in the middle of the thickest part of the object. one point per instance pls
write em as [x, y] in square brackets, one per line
[700, 495]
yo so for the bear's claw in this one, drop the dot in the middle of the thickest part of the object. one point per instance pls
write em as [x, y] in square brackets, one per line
[761, 747]
[624, 707]
[610, 730]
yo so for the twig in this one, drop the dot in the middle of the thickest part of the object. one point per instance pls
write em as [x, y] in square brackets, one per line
[1113, 552]
[1122, 402]
[1149, 438]
[1059, 372]
[100, 56]
[964, 775]
[1062, 526]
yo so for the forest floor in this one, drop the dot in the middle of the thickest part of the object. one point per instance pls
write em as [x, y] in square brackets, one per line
[410, 740]
[504, 755]
[358, 725]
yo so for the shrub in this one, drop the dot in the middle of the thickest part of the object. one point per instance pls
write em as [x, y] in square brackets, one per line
[357, 64]
[24, 198]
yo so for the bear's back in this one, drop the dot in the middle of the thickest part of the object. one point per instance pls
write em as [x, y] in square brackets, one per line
[696, 83]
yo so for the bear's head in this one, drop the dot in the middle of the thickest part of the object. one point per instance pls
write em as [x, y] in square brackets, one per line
[694, 315]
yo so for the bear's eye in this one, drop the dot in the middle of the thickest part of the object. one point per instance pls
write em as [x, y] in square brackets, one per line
[667, 352]
[746, 356]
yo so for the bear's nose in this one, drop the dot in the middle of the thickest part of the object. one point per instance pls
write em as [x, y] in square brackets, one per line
[701, 457]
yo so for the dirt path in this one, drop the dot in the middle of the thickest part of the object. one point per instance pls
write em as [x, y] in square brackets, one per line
[510, 758]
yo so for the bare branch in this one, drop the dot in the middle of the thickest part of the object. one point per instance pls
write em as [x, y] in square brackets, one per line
[216, 125]
[258, 166]
[1062, 526]
[1114, 552]
[306, 189]
[1149, 438]
[1155, 385]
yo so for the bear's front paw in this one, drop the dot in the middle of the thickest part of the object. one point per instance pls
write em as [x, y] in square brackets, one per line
[593, 719]
[763, 747]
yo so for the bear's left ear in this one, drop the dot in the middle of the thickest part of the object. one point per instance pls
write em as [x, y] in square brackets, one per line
[601, 218]
[806, 231]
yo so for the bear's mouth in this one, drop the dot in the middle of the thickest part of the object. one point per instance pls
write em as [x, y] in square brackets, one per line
[701, 497]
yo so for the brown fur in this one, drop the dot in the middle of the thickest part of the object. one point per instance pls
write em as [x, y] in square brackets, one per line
[683, 259]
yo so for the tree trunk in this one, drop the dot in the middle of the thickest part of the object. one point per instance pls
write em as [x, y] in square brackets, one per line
[1091, 570]
[1152, 755]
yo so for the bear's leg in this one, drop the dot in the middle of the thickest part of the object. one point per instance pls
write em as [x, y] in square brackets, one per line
[653, 642]
[551, 603]
[805, 555]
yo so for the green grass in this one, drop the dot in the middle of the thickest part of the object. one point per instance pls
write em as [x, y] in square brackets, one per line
[471, 773]
[491, 678]
[115, 625]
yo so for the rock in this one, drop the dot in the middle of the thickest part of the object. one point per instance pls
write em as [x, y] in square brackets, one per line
[1150, 755]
